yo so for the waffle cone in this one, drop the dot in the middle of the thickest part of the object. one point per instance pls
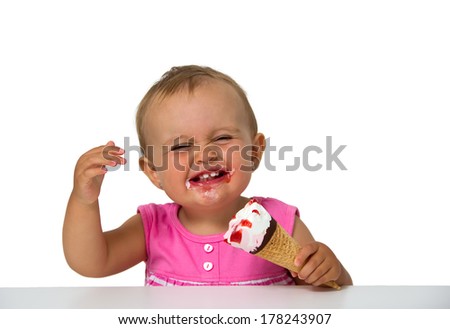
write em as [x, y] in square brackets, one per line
[281, 250]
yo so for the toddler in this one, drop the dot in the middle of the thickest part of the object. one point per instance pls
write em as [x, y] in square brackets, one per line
[200, 145]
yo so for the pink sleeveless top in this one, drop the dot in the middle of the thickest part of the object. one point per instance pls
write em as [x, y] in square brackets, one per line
[178, 257]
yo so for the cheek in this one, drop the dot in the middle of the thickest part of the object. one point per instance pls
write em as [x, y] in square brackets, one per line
[241, 179]
[178, 162]
[241, 157]
[159, 161]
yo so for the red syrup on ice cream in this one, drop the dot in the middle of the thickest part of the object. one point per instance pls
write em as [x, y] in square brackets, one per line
[251, 228]
[236, 237]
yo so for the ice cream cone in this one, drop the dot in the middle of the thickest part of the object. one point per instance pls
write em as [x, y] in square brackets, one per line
[281, 249]
[254, 230]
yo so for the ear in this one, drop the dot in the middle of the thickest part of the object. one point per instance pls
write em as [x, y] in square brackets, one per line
[259, 145]
[149, 170]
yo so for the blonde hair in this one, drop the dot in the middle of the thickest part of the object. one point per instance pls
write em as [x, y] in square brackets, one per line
[190, 76]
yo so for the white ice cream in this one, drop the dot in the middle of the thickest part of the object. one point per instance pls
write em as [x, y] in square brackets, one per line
[249, 226]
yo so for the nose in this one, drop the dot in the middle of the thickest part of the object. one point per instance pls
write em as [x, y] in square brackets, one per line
[207, 155]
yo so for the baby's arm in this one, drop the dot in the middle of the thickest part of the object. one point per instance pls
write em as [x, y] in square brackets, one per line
[88, 250]
[317, 261]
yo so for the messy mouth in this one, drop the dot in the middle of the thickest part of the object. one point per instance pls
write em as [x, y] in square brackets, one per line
[208, 177]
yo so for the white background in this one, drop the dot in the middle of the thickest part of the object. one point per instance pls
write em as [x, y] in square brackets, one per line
[373, 75]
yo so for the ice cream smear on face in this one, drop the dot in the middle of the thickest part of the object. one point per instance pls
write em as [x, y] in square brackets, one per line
[207, 179]
[248, 227]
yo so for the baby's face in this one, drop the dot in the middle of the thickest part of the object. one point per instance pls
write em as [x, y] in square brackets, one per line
[202, 145]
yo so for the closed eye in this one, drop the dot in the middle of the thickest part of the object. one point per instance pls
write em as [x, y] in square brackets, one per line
[180, 147]
[223, 138]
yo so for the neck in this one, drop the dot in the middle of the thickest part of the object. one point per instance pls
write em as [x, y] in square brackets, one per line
[210, 220]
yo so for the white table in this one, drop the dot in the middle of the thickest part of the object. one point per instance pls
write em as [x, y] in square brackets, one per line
[273, 297]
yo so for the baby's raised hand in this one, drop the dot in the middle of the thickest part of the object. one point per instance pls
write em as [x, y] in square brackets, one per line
[91, 168]
[317, 264]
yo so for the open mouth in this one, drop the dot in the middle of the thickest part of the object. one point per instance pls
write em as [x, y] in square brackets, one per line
[209, 177]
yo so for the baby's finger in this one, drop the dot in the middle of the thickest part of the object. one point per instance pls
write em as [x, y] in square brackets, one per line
[113, 153]
[312, 263]
[99, 148]
[316, 277]
[94, 160]
[92, 167]
[105, 155]
[93, 172]
[304, 253]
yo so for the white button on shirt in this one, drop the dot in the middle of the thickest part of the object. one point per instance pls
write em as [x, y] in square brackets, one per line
[207, 266]
[208, 248]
